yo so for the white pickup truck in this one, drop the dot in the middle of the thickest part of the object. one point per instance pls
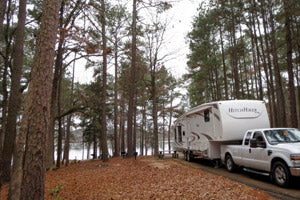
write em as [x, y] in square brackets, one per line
[274, 152]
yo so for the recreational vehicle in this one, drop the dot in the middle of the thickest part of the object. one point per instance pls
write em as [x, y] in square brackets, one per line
[201, 131]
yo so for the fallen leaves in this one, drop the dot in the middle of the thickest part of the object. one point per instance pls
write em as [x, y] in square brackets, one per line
[144, 178]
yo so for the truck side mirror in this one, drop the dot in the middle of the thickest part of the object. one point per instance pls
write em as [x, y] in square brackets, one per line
[253, 143]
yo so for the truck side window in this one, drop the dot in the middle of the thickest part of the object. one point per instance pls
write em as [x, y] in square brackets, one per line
[206, 115]
[259, 138]
[247, 139]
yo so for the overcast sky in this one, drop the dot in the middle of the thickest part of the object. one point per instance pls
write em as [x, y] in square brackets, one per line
[180, 16]
[183, 13]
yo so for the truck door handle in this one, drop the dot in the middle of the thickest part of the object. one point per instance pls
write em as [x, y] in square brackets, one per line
[269, 152]
[249, 150]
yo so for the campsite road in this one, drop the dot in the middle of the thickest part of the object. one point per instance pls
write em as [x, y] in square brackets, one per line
[250, 179]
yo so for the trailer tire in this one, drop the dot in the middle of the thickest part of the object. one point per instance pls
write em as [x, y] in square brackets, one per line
[189, 156]
[230, 165]
[281, 174]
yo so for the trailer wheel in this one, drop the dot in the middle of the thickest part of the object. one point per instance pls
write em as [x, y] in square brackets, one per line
[281, 174]
[230, 166]
[189, 156]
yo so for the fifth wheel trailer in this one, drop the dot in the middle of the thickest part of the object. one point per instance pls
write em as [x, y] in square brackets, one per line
[201, 131]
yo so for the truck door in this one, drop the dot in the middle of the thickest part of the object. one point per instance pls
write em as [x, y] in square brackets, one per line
[258, 156]
[245, 156]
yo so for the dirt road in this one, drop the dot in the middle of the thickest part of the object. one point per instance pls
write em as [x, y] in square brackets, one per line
[250, 179]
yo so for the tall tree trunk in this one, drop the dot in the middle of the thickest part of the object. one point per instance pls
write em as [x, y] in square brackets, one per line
[116, 138]
[224, 65]
[56, 78]
[7, 64]
[69, 120]
[132, 82]
[269, 89]
[234, 56]
[289, 48]
[95, 145]
[30, 175]
[279, 88]
[2, 14]
[14, 100]
[134, 123]
[143, 127]
[88, 150]
[258, 63]
[170, 122]
[4, 105]
[268, 49]
[60, 131]
[103, 141]
[67, 140]
[164, 133]
[122, 125]
[154, 111]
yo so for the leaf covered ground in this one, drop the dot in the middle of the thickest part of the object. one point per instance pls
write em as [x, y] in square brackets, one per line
[144, 178]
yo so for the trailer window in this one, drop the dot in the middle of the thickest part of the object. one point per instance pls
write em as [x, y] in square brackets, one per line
[179, 134]
[206, 115]
[247, 139]
[175, 134]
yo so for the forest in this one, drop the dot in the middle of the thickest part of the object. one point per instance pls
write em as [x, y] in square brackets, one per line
[244, 49]
[247, 50]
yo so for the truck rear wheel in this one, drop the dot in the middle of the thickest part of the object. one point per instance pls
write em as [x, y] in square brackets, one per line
[230, 166]
[280, 174]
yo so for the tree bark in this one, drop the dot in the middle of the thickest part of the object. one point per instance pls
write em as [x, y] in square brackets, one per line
[2, 14]
[289, 48]
[116, 138]
[134, 123]
[279, 88]
[260, 88]
[268, 55]
[7, 63]
[269, 89]
[234, 56]
[69, 120]
[103, 141]
[55, 85]
[35, 119]
[122, 125]
[132, 82]
[143, 127]
[224, 65]
[154, 111]
[14, 100]
[170, 122]
[60, 119]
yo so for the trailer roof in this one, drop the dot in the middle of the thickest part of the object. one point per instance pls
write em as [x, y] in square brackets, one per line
[202, 107]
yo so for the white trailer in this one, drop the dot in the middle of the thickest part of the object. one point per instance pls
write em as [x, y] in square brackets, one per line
[201, 131]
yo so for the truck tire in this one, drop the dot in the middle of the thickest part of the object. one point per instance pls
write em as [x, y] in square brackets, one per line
[230, 166]
[280, 174]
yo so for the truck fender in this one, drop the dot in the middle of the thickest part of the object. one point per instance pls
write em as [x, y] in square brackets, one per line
[278, 158]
